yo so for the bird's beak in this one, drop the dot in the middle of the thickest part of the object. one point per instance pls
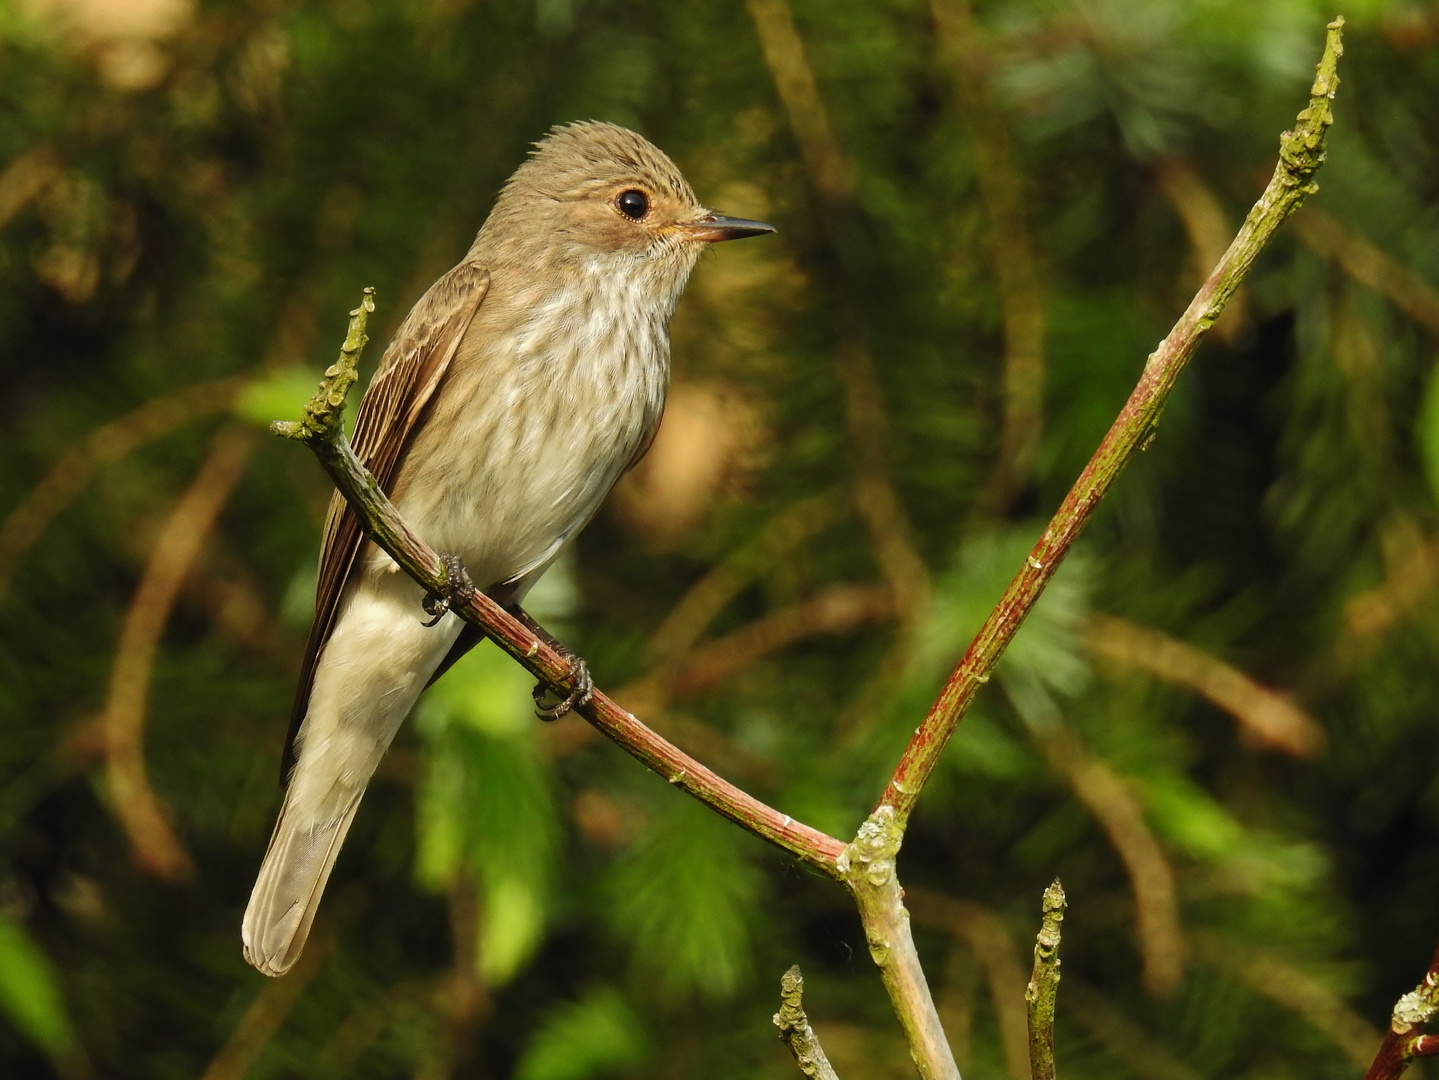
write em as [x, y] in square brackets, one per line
[713, 228]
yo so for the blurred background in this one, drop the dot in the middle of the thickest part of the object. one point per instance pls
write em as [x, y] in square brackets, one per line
[1219, 728]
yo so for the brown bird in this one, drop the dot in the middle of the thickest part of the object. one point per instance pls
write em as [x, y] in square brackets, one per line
[517, 391]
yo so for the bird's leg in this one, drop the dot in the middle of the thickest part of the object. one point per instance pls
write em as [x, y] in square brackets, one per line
[457, 585]
[579, 671]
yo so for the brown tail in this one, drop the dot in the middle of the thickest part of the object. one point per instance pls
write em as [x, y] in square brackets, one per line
[292, 879]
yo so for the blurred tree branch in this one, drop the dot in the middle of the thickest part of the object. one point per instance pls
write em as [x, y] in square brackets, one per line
[1106, 795]
[26, 177]
[1208, 229]
[832, 173]
[833, 610]
[111, 442]
[876, 498]
[1016, 270]
[156, 847]
[1290, 986]
[1370, 265]
[711, 594]
[1267, 718]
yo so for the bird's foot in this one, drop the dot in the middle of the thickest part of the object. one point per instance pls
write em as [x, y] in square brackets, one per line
[457, 585]
[582, 693]
[549, 705]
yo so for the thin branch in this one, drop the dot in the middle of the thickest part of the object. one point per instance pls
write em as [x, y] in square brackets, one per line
[1043, 985]
[794, 1029]
[1208, 229]
[322, 431]
[1300, 155]
[66, 478]
[867, 868]
[135, 803]
[1268, 719]
[1402, 1043]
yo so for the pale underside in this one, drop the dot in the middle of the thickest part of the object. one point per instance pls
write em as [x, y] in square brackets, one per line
[549, 397]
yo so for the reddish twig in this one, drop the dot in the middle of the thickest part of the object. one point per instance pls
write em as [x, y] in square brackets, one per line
[1402, 1042]
[1301, 152]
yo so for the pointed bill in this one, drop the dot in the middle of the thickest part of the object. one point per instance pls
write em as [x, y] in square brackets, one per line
[714, 227]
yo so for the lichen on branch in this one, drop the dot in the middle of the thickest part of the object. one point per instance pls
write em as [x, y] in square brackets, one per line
[1043, 986]
[324, 413]
[794, 1029]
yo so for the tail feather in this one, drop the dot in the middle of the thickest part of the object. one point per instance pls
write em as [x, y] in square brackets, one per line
[291, 880]
[372, 669]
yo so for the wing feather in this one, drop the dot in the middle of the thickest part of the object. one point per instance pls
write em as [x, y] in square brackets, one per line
[410, 371]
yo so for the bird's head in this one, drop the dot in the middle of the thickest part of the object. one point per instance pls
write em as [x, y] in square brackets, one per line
[595, 193]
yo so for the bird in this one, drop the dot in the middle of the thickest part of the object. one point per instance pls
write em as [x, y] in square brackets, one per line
[516, 393]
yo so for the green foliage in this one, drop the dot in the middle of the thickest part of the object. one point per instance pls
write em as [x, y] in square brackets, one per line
[273, 396]
[30, 991]
[484, 808]
[1426, 431]
[685, 896]
[598, 1035]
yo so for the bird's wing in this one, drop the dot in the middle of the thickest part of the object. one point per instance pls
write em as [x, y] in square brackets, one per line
[406, 380]
[647, 440]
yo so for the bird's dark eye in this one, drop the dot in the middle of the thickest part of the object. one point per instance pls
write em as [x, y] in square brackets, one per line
[633, 204]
